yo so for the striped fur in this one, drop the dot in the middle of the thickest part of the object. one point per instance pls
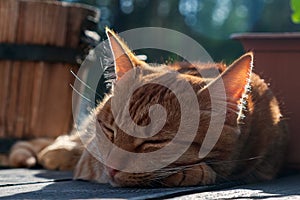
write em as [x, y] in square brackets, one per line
[252, 142]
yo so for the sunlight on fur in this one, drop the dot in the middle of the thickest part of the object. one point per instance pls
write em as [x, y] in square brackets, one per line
[251, 146]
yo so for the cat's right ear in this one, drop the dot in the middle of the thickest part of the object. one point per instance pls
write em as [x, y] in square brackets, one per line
[124, 59]
[236, 80]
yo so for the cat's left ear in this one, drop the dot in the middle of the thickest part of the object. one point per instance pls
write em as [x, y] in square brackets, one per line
[236, 79]
[124, 59]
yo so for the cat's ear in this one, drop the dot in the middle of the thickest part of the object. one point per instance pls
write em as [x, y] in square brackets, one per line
[124, 59]
[236, 79]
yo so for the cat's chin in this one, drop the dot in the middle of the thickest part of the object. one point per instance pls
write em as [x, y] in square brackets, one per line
[119, 180]
[113, 183]
[113, 177]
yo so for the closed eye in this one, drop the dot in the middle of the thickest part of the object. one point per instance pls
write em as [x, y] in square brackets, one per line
[109, 132]
[153, 145]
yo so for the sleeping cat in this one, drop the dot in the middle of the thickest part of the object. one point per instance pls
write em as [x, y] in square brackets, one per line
[251, 146]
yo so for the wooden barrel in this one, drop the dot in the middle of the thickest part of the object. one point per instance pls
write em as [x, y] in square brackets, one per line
[39, 44]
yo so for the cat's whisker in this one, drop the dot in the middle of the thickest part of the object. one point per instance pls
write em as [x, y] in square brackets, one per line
[163, 174]
[231, 158]
[230, 161]
[176, 169]
[81, 95]
[85, 84]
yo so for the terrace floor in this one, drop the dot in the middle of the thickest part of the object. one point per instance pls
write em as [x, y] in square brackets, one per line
[43, 184]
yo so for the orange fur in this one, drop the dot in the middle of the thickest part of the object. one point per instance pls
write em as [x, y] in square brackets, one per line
[251, 146]
[23, 154]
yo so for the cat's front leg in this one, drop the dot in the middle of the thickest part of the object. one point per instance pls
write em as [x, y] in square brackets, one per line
[201, 174]
[62, 154]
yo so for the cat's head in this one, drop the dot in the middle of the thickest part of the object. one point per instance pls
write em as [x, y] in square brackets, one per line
[138, 82]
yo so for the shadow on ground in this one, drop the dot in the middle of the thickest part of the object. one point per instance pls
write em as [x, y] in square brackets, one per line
[42, 184]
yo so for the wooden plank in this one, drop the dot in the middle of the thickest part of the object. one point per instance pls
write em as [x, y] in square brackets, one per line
[24, 97]
[5, 73]
[8, 26]
[39, 71]
[11, 115]
[47, 23]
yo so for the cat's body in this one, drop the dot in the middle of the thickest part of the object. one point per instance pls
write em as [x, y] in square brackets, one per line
[251, 146]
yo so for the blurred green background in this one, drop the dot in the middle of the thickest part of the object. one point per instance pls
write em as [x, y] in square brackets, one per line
[210, 22]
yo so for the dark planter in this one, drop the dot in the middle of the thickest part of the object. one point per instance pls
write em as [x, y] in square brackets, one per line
[277, 60]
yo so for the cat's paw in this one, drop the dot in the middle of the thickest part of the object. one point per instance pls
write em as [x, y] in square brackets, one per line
[63, 154]
[196, 175]
[24, 153]
[21, 155]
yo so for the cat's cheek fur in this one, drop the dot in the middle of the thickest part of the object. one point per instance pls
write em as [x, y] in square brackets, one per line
[89, 168]
[197, 175]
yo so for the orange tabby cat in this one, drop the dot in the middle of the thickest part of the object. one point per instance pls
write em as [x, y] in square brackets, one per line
[251, 145]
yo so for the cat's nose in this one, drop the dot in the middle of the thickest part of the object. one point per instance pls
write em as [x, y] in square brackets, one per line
[112, 172]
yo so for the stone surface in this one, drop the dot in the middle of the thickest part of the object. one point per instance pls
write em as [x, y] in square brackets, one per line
[283, 188]
[43, 184]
